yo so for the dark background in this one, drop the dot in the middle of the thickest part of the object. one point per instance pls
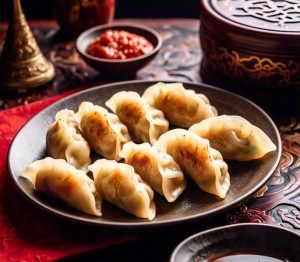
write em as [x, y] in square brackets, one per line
[42, 9]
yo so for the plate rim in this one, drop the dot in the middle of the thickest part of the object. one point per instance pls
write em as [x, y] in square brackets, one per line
[143, 223]
[220, 228]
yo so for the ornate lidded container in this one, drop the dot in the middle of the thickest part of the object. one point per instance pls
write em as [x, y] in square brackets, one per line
[253, 45]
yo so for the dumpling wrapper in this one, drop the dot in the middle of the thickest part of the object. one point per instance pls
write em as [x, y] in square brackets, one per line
[156, 168]
[103, 130]
[120, 185]
[197, 159]
[64, 141]
[235, 137]
[145, 123]
[180, 106]
[58, 179]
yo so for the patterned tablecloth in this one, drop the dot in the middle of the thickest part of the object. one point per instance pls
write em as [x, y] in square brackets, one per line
[278, 202]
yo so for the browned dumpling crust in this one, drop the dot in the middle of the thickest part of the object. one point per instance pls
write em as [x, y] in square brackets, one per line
[103, 130]
[197, 159]
[120, 185]
[145, 123]
[58, 179]
[156, 168]
[235, 137]
[180, 106]
[64, 141]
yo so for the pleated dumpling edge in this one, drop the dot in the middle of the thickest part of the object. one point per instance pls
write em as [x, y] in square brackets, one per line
[197, 159]
[120, 185]
[57, 178]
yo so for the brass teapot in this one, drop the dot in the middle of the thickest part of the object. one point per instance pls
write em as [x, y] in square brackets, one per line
[75, 16]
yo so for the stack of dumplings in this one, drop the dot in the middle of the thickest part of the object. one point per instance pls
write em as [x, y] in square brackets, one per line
[151, 157]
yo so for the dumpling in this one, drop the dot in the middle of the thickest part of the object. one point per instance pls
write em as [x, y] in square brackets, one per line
[103, 130]
[64, 141]
[180, 106]
[235, 137]
[57, 178]
[145, 123]
[121, 186]
[197, 159]
[156, 168]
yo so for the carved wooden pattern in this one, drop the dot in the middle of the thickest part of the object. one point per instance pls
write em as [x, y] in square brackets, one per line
[280, 15]
[279, 12]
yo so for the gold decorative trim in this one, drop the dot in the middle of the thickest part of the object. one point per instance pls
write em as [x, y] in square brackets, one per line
[253, 68]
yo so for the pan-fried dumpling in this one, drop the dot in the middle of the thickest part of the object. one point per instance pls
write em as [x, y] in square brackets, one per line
[197, 159]
[235, 137]
[57, 178]
[180, 106]
[156, 168]
[121, 186]
[145, 123]
[64, 141]
[103, 130]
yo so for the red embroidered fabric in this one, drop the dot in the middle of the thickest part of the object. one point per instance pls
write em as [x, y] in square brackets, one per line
[28, 233]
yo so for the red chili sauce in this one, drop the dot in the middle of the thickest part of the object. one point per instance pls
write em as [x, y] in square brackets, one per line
[114, 44]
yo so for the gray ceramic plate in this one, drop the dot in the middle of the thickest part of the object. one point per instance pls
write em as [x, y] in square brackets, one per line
[246, 177]
[254, 238]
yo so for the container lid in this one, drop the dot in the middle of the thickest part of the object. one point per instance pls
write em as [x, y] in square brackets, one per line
[271, 15]
[264, 25]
